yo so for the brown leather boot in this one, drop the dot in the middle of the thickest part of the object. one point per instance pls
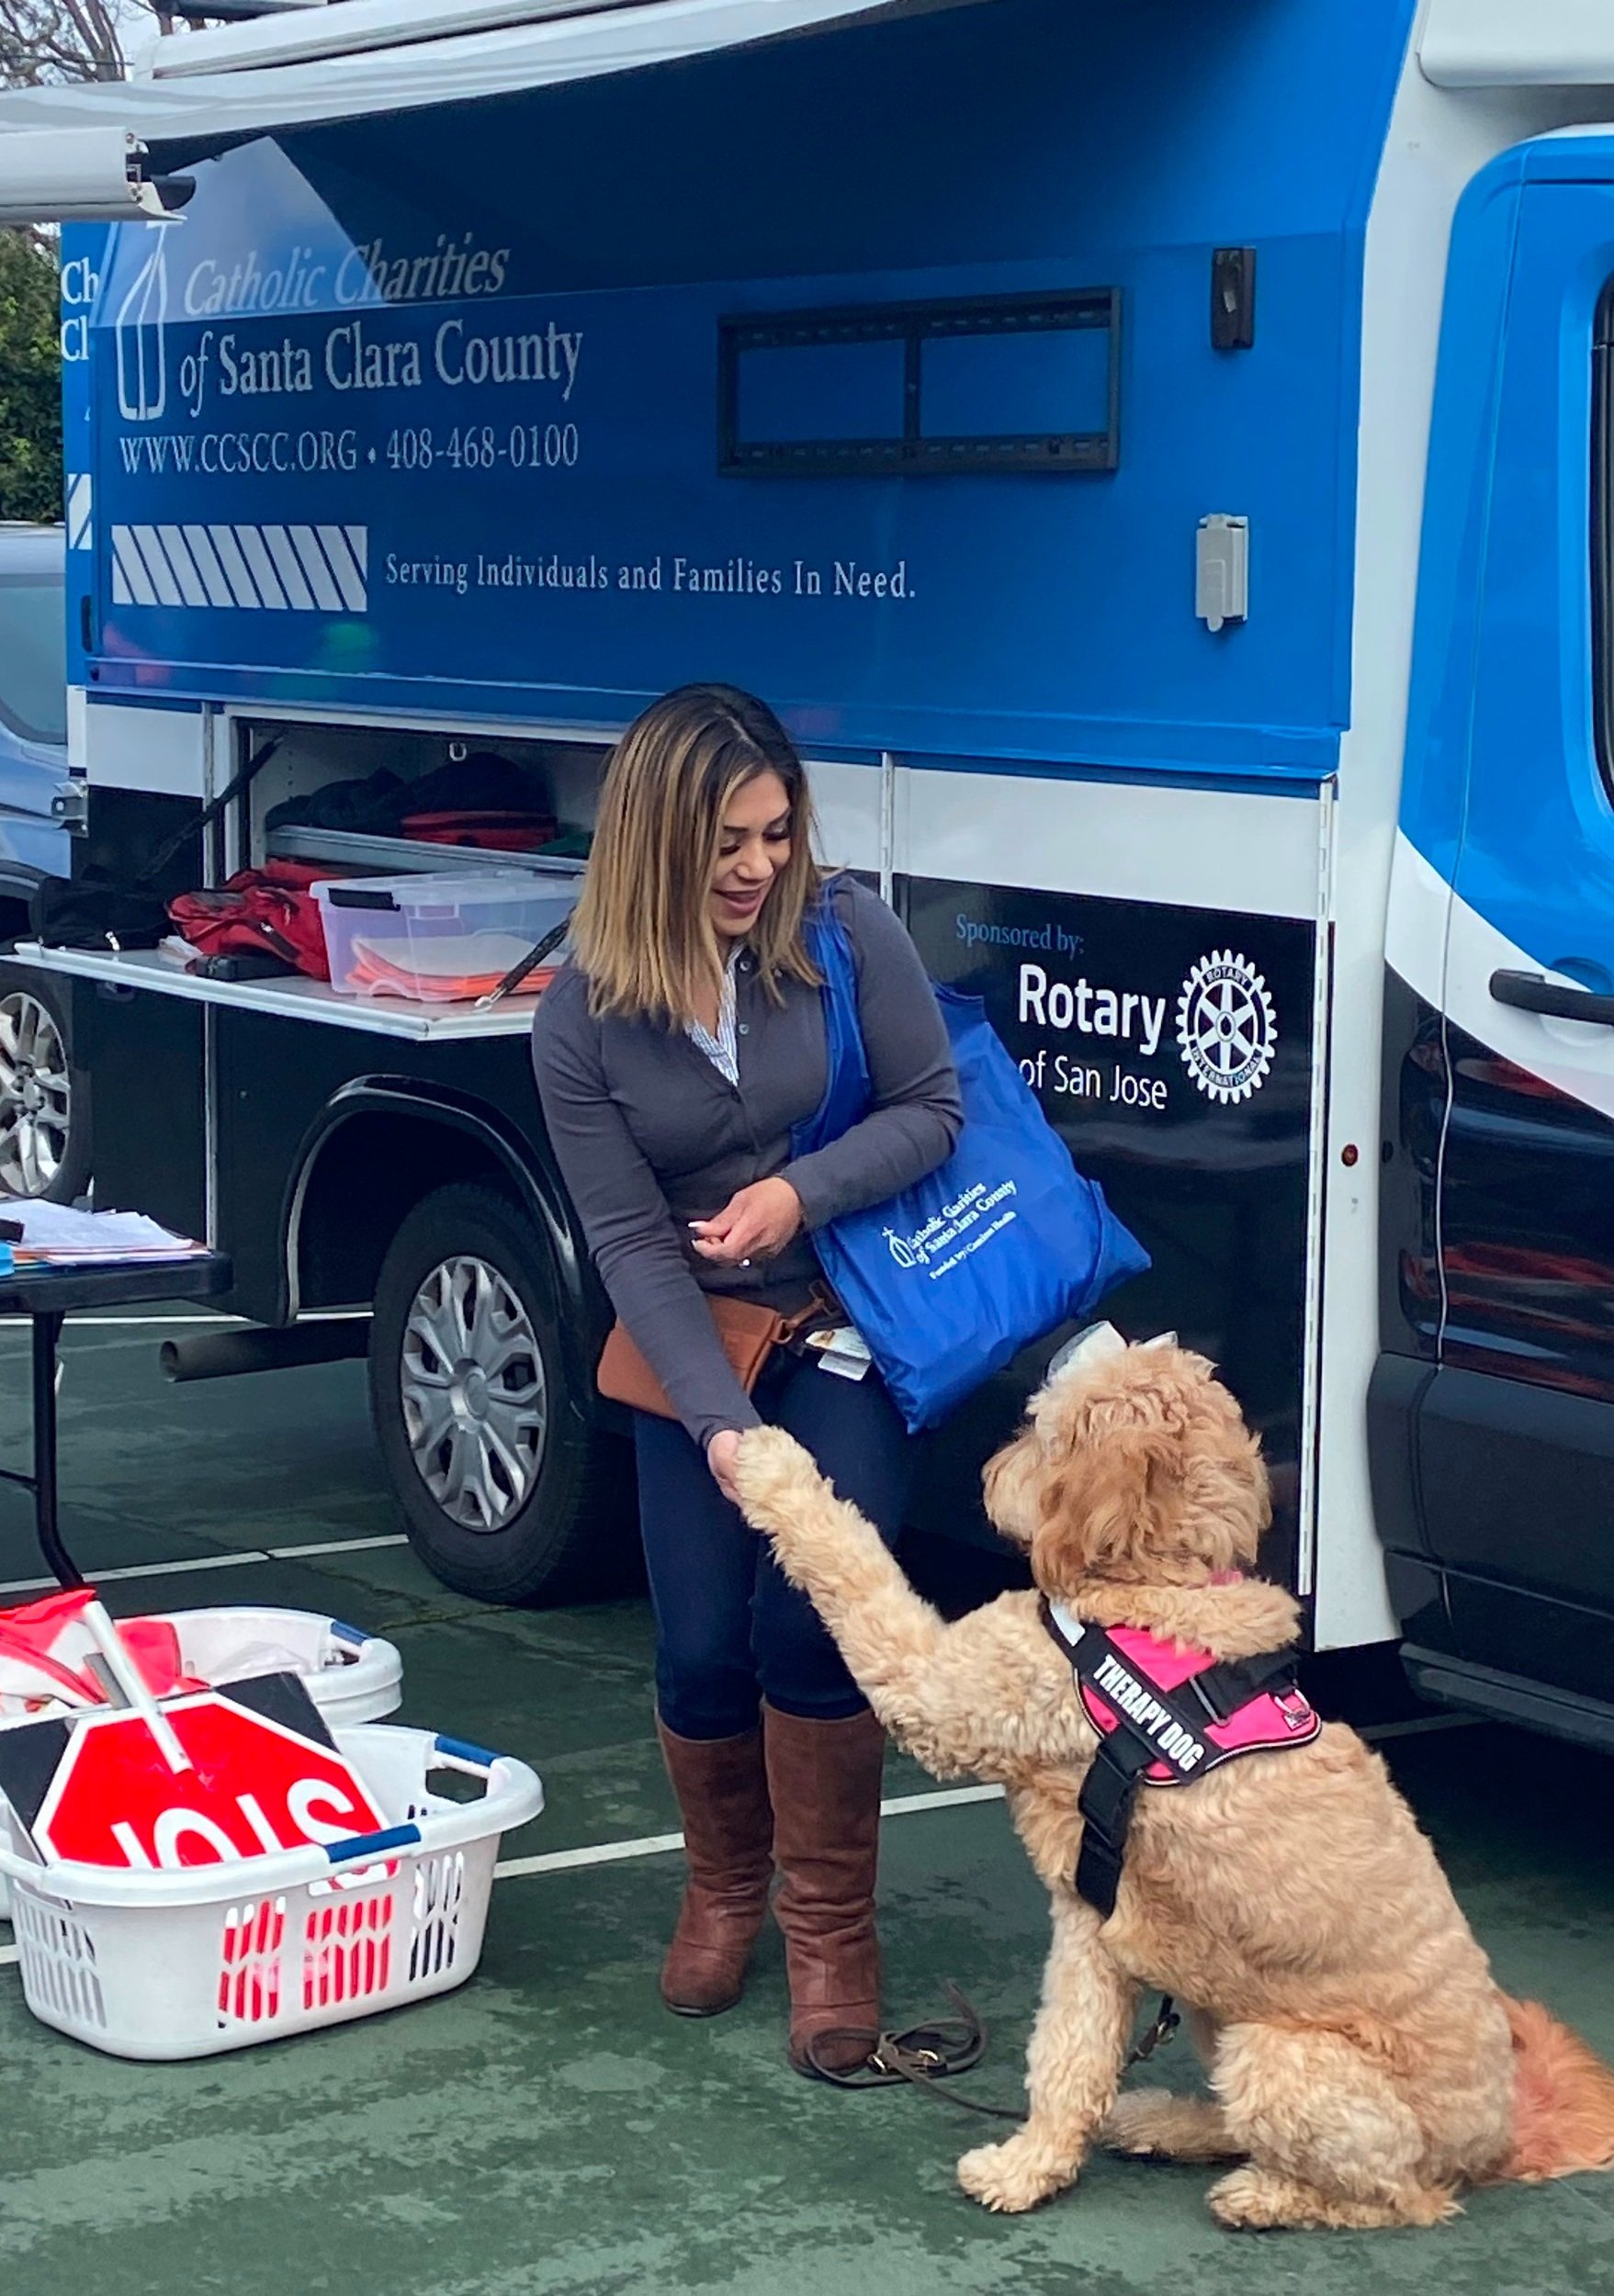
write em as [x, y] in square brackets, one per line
[824, 1778]
[722, 1790]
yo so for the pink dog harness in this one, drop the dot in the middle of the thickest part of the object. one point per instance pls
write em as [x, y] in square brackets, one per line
[1164, 1716]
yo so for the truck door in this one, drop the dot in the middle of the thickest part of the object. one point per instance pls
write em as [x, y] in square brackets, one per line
[1515, 1445]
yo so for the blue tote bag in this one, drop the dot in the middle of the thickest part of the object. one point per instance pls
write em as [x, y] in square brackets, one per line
[999, 1245]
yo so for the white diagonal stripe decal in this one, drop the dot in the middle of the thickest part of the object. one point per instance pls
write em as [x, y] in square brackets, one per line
[242, 587]
[298, 596]
[349, 576]
[79, 531]
[127, 560]
[251, 539]
[207, 566]
[297, 569]
[145, 541]
[178, 554]
[311, 559]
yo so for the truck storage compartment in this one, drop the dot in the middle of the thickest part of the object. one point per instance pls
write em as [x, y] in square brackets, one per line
[395, 798]
[440, 938]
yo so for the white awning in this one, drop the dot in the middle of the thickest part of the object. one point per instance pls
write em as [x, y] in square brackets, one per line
[97, 149]
[1501, 43]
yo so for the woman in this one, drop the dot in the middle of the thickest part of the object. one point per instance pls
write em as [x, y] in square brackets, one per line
[673, 1058]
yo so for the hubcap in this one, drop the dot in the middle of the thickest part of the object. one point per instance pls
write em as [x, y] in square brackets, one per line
[475, 1407]
[36, 1103]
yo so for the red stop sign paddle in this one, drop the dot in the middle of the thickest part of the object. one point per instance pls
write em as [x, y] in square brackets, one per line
[255, 1786]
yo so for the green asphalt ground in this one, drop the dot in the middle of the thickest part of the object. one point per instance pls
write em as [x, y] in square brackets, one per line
[548, 2127]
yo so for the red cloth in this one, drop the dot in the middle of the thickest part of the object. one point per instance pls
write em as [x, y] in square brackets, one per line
[270, 908]
[41, 1635]
[491, 832]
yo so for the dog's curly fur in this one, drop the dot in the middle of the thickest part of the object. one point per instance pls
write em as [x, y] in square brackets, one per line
[1362, 2061]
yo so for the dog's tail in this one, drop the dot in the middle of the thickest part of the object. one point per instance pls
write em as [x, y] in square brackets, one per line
[1563, 2100]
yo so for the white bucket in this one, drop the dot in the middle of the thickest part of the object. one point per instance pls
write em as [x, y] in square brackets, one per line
[351, 1676]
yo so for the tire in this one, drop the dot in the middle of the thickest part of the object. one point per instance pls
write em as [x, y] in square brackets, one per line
[507, 1490]
[44, 1099]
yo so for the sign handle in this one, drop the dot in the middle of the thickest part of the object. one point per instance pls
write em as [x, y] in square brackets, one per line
[133, 1683]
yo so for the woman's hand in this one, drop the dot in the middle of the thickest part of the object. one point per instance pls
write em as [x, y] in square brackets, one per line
[722, 1452]
[755, 1224]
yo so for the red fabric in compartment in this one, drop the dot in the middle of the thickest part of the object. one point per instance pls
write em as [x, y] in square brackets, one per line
[490, 831]
[270, 908]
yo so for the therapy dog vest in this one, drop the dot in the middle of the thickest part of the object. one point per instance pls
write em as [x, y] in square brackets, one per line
[1164, 1716]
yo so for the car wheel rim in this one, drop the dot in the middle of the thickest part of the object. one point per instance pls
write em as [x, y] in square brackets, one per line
[475, 1402]
[36, 1099]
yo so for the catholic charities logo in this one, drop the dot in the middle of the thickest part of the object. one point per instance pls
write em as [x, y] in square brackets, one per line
[1226, 1027]
[958, 1231]
[141, 332]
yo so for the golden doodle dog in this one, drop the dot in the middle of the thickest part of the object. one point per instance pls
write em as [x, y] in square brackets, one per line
[1363, 2063]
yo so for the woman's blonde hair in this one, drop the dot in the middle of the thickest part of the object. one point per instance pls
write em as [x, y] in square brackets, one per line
[642, 932]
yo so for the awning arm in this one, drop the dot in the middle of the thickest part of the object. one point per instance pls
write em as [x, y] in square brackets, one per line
[300, 31]
[96, 174]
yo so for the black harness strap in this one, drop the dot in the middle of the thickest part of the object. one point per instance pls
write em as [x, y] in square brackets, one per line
[1152, 1726]
[1222, 1689]
[1108, 1797]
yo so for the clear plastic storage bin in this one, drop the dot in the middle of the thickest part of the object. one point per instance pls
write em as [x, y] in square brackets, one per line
[436, 939]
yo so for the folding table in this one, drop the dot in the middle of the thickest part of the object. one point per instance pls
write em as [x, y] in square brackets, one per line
[48, 1297]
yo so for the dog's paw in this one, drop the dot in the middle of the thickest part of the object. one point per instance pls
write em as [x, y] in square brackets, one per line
[773, 1475]
[1014, 2177]
[1252, 2200]
[1257, 2199]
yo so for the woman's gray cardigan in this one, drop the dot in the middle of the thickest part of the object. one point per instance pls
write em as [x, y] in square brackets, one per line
[649, 1136]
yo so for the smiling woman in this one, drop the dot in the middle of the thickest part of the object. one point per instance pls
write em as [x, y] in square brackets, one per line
[674, 1060]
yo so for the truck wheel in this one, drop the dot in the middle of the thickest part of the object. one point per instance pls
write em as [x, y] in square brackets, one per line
[44, 1101]
[505, 1491]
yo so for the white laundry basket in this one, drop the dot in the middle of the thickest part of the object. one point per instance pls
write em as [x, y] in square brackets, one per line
[351, 1676]
[214, 1957]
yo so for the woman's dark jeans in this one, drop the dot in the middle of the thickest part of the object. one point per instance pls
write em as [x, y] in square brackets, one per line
[729, 1629]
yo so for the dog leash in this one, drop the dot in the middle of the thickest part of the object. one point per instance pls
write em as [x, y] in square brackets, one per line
[925, 2055]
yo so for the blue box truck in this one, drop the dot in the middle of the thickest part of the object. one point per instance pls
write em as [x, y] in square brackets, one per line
[1160, 461]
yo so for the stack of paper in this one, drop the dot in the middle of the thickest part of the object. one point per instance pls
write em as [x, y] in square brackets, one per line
[55, 1235]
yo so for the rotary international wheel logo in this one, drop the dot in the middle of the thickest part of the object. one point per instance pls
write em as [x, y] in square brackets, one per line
[1226, 1027]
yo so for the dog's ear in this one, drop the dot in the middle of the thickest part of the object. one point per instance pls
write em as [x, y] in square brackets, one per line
[1110, 1505]
[1227, 1498]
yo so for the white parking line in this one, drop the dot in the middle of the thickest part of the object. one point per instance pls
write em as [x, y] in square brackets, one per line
[15, 1326]
[217, 1562]
[335, 1547]
[21, 1323]
[894, 1805]
[660, 1845]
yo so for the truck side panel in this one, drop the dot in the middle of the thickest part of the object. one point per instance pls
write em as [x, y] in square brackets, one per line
[472, 463]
